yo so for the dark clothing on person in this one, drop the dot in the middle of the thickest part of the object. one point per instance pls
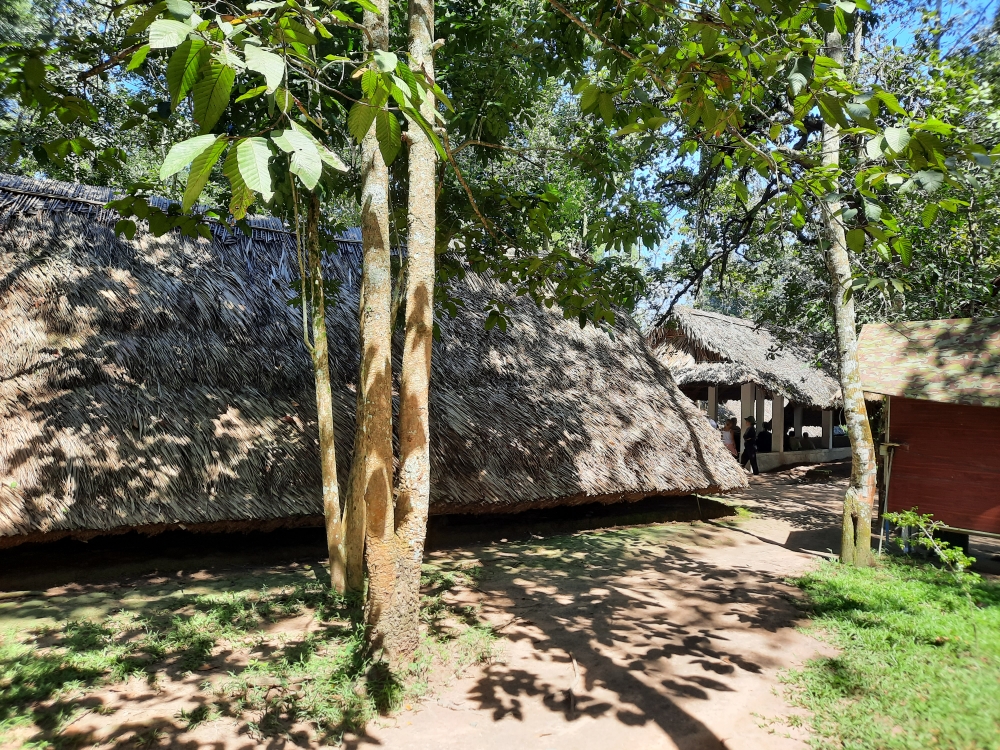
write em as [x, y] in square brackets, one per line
[764, 442]
[750, 449]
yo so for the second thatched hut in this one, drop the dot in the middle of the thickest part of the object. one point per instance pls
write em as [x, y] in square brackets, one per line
[718, 359]
[152, 383]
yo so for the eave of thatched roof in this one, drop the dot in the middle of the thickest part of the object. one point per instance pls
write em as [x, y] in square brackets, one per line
[164, 381]
[707, 348]
[949, 361]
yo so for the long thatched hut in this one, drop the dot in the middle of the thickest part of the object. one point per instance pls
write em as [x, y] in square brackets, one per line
[717, 359]
[159, 382]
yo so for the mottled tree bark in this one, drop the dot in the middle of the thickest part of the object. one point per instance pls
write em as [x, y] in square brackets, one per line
[324, 400]
[370, 491]
[372, 473]
[400, 635]
[861, 493]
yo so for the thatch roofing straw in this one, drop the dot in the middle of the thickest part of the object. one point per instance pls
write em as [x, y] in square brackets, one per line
[164, 381]
[708, 348]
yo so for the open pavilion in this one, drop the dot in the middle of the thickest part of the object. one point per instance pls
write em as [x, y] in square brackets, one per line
[717, 359]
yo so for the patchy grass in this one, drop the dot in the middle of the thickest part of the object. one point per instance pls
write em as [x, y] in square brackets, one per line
[919, 665]
[320, 679]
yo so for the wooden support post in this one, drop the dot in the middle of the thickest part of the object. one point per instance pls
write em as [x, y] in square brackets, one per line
[760, 408]
[713, 402]
[778, 424]
[827, 429]
[747, 402]
[797, 424]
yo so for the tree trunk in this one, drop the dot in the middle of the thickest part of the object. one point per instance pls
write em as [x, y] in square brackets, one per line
[861, 494]
[373, 469]
[400, 637]
[324, 401]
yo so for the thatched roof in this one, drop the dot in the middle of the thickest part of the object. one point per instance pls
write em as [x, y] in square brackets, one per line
[950, 361]
[708, 348]
[164, 381]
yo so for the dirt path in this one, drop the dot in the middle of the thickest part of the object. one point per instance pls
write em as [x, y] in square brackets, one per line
[666, 636]
[676, 645]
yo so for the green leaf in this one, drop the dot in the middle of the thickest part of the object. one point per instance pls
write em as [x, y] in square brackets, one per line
[369, 82]
[242, 195]
[183, 153]
[905, 249]
[824, 15]
[897, 138]
[290, 141]
[34, 71]
[928, 215]
[284, 99]
[442, 97]
[890, 101]
[360, 119]
[388, 133]
[873, 211]
[211, 95]
[933, 125]
[306, 163]
[126, 227]
[326, 155]
[181, 8]
[929, 179]
[201, 170]
[332, 160]
[606, 104]
[856, 240]
[799, 75]
[252, 157]
[858, 112]
[140, 24]
[165, 33]
[138, 58]
[254, 92]
[588, 99]
[294, 31]
[742, 192]
[386, 62]
[268, 64]
[873, 148]
[182, 70]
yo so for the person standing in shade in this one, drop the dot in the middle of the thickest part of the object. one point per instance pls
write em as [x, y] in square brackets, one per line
[728, 440]
[750, 446]
[764, 439]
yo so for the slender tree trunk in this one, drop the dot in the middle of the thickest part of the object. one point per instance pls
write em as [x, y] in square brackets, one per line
[373, 469]
[400, 634]
[324, 401]
[861, 494]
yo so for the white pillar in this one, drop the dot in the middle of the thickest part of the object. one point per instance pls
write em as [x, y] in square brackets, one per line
[798, 422]
[760, 408]
[713, 402]
[748, 397]
[827, 429]
[778, 423]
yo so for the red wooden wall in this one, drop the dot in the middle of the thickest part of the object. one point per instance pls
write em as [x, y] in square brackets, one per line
[950, 463]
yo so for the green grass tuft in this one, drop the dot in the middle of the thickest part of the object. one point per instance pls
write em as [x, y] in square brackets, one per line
[919, 665]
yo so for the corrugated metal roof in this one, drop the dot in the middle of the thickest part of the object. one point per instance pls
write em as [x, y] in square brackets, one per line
[953, 361]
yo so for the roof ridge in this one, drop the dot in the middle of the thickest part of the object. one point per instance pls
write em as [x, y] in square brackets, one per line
[350, 236]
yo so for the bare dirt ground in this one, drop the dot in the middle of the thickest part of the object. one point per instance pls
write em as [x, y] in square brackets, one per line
[679, 646]
[671, 635]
